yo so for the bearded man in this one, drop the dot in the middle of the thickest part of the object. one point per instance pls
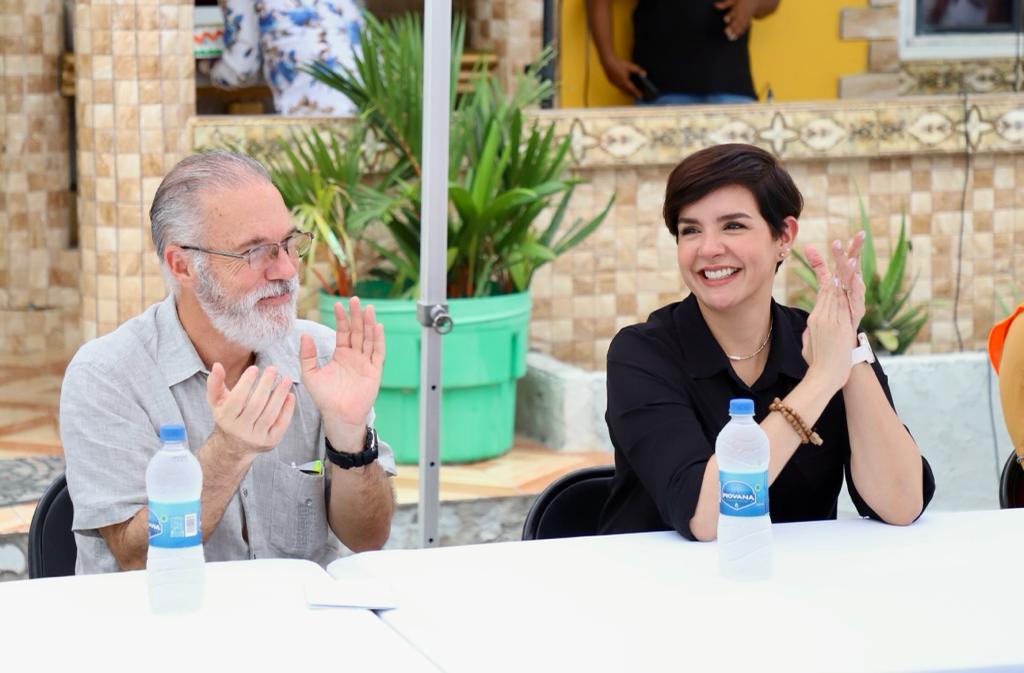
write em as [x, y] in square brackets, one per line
[263, 396]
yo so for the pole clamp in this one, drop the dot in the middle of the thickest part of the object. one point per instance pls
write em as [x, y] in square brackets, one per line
[436, 316]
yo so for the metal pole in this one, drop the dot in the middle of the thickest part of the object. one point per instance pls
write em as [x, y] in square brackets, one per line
[432, 309]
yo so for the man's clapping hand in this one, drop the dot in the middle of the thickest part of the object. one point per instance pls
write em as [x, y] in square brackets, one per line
[254, 415]
[346, 386]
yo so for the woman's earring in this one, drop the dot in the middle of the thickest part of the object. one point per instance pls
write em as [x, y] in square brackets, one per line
[783, 253]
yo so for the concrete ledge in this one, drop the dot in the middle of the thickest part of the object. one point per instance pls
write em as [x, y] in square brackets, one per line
[951, 405]
[562, 406]
[949, 402]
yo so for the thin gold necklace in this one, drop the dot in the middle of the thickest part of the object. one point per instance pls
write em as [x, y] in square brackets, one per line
[739, 358]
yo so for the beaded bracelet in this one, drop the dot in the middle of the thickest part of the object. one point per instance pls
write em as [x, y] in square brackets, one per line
[806, 435]
[798, 427]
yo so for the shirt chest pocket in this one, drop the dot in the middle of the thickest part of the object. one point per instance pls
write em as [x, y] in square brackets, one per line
[299, 515]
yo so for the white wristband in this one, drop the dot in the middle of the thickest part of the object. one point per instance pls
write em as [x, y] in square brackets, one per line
[863, 352]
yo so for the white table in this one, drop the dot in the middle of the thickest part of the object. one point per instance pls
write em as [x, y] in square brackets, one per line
[945, 594]
[254, 618]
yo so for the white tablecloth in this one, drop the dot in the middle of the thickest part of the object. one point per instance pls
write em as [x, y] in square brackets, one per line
[944, 594]
[254, 618]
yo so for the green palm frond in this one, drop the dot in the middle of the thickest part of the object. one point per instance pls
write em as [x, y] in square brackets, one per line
[891, 320]
[505, 173]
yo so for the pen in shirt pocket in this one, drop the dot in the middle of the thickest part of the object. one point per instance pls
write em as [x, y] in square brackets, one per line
[312, 467]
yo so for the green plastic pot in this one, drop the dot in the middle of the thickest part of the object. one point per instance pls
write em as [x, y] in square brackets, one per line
[481, 360]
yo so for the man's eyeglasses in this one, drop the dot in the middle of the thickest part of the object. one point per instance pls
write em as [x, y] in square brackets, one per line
[262, 256]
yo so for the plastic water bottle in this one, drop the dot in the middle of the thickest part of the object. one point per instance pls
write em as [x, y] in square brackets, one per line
[175, 566]
[744, 527]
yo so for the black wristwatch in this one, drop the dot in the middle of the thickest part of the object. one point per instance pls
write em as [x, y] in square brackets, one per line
[349, 460]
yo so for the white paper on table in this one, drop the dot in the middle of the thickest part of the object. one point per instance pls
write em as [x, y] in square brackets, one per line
[368, 593]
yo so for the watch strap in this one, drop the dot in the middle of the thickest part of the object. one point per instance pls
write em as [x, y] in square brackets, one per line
[346, 460]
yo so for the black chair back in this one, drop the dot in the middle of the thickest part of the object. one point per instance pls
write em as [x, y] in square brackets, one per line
[1011, 483]
[571, 506]
[51, 544]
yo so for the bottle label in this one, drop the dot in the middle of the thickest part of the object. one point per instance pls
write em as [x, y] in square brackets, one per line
[743, 493]
[174, 524]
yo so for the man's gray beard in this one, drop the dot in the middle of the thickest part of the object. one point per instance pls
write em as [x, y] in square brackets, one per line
[242, 321]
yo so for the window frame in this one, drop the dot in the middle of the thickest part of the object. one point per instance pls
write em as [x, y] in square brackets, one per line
[951, 45]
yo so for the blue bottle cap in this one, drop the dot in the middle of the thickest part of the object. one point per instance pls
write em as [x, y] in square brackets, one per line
[172, 433]
[741, 406]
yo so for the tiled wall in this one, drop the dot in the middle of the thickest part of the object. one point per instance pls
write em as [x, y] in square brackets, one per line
[628, 268]
[878, 23]
[38, 273]
[885, 75]
[135, 85]
[136, 94]
[898, 154]
[511, 29]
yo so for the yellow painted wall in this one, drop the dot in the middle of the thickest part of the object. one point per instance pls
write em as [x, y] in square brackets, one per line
[796, 50]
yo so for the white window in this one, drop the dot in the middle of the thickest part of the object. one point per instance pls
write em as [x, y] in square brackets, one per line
[958, 29]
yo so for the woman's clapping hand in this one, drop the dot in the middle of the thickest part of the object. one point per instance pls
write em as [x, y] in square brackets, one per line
[832, 325]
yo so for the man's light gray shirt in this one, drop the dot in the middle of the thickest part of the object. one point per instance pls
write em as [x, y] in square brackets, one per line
[120, 388]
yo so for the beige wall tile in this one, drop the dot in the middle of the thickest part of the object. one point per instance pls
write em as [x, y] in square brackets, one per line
[34, 216]
[140, 51]
[645, 276]
[869, 23]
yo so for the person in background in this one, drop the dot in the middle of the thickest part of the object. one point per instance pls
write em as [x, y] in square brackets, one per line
[818, 391]
[1006, 352]
[966, 13]
[285, 35]
[278, 411]
[692, 51]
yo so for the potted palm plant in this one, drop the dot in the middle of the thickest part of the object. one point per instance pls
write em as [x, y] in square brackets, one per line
[891, 320]
[509, 192]
[323, 182]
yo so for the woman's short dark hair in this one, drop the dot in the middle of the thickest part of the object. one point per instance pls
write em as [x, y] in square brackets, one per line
[719, 166]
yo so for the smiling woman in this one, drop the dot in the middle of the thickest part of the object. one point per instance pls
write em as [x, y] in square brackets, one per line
[733, 211]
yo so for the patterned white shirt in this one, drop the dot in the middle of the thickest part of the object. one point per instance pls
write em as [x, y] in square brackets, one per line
[285, 35]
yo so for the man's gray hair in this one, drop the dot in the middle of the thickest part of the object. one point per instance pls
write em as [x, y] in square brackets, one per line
[176, 215]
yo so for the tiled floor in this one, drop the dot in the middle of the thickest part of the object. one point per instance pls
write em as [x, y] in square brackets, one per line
[29, 394]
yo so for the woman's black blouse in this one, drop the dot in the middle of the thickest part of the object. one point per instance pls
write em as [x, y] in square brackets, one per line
[669, 386]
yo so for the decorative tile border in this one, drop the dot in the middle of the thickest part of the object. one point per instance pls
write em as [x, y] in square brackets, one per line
[257, 135]
[662, 136]
[840, 129]
[953, 77]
